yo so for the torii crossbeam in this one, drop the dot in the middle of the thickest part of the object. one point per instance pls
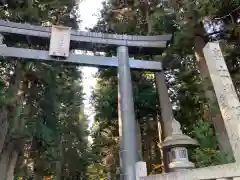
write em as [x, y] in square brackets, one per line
[122, 44]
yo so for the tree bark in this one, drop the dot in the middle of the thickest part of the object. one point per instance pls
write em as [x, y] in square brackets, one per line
[160, 129]
[11, 166]
[38, 168]
[7, 165]
[3, 133]
[13, 154]
[4, 164]
[148, 147]
[9, 155]
[139, 136]
[59, 163]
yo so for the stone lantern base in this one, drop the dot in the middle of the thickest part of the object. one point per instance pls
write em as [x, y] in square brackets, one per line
[179, 159]
[176, 145]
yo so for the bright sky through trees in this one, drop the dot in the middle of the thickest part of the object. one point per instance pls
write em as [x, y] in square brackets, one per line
[88, 11]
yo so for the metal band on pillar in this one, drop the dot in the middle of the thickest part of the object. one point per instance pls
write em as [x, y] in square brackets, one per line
[129, 139]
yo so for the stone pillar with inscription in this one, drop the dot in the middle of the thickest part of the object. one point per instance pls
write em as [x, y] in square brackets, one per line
[226, 94]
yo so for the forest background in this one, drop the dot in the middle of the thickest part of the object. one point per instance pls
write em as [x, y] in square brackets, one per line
[44, 131]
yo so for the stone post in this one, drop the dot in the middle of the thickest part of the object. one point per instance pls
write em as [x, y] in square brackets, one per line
[129, 140]
[226, 94]
[141, 170]
[175, 141]
[213, 113]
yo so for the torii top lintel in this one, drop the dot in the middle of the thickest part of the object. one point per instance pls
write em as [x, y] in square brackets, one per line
[86, 40]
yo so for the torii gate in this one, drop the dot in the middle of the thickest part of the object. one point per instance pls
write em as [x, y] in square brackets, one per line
[62, 39]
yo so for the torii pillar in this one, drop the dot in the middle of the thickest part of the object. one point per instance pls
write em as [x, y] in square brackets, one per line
[129, 149]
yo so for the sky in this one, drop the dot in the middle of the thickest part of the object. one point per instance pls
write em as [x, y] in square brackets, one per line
[88, 12]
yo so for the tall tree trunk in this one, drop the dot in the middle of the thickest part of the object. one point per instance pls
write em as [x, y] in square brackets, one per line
[4, 159]
[3, 133]
[139, 136]
[60, 162]
[15, 154]
[11, 165]
[8, 154]
[13, 88]
[149, 31]
[214, 112]
[38, 168]
[11, 160]
[18, 127]
[158, 155]
[156, 151]
[148, 147]
[7, 165]
[144, 147]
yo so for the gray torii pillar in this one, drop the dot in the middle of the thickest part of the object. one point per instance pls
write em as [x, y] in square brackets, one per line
[129, 151]
[120, 137]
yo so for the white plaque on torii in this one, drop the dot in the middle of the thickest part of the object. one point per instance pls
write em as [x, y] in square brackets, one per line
[60, 41]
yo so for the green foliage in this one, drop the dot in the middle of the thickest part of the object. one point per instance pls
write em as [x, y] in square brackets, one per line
[47, 123]
[96, 172]
[48, 126]
[208, 153]
[185, 20]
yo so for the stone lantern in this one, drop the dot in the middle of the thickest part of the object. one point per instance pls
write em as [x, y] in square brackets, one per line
[176, 146]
